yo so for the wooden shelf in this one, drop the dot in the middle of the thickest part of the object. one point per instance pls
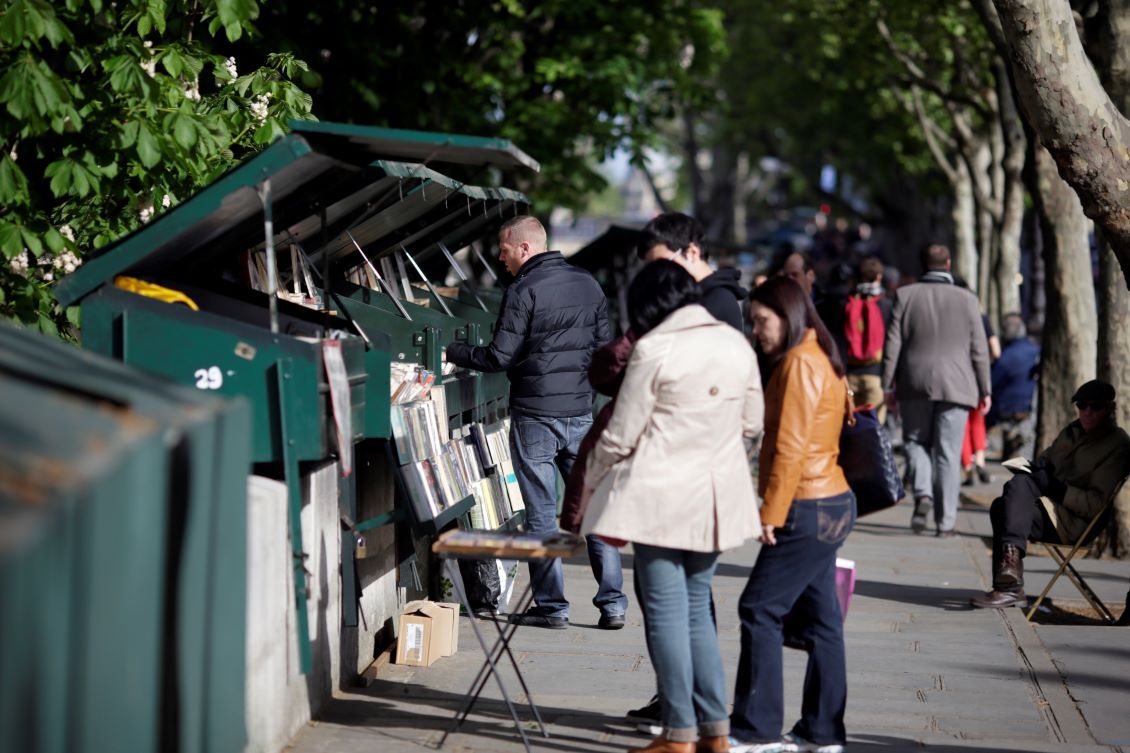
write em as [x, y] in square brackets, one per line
[459, 509]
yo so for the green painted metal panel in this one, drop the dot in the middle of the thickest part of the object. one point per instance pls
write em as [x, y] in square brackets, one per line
[187, 346]
[357, 141]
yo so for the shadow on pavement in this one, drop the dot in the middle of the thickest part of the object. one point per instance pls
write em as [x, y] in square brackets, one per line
[384, 713]
[949, 599]
[887, 744]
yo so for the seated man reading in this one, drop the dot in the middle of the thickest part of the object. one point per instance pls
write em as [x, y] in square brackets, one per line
[1075, 477]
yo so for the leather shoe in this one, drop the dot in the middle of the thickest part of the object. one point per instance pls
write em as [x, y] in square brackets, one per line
[714, 744]
[662, 745]
[534, 619]
[1000, 600]
[610, 622]
[1011, 572]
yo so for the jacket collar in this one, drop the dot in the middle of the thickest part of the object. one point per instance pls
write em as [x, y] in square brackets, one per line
[686, 317]
[537, 261]
[937, 275]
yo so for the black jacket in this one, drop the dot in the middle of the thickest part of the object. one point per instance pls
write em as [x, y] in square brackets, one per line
[552, 318]
[721, 294]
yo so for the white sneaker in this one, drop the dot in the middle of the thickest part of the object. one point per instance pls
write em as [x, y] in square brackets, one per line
[648, 728]
[794, 742]
[737, 746]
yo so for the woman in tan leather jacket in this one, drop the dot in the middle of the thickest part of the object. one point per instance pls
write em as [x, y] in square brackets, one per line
[807, 512]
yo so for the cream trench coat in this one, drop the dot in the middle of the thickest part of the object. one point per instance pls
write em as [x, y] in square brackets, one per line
[670, 469]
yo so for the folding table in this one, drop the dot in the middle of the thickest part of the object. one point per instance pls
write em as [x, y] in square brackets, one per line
[455, 545]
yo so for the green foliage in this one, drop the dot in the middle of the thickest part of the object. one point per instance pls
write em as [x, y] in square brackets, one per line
[113, 112]
[568, 81]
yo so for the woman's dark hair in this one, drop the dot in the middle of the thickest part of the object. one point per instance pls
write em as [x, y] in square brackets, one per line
[787, 299]
[659, 288]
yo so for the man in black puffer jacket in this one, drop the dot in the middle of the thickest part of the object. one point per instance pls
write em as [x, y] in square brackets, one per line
[678, 237]
[553, 316]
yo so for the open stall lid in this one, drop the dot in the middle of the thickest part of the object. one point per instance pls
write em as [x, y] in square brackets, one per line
[330, 169]
[355, 142]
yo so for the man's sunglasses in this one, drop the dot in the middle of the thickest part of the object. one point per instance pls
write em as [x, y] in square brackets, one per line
[1092, 405]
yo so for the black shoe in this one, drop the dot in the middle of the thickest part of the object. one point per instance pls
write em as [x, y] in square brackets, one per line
[611, 622]
[968, 481]
[536, 619]
[646, 714]
[983, 474]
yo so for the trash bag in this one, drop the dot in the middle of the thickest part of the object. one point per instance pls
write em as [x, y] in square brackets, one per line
[480, 579]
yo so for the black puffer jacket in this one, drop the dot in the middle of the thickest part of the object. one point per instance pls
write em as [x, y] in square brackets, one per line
[721, 294]
[553, 316]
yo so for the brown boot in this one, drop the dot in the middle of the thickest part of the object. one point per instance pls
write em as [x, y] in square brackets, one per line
[662, 745]
[1010, 573]
[999, 600]
[714, 744]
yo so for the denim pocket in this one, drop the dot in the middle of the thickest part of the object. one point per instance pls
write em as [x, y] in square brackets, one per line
[834, 519]
[536, 439]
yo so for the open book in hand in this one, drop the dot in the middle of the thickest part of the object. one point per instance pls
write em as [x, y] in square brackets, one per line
[1018, 465]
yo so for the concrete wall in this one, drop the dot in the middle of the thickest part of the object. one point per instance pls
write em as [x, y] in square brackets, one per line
[280, 699]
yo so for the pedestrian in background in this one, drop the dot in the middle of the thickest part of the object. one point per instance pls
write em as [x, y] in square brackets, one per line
[808, 511]
[936, 366]
[1014, 387]
[669, 474]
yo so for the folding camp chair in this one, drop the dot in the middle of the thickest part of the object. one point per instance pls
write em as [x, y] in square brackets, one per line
[1056, 552]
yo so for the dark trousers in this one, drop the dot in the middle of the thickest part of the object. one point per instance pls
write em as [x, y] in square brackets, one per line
[1018, 516]
[799, 573]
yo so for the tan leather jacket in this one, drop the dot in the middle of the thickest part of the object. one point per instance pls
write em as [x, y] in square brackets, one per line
[804, 414]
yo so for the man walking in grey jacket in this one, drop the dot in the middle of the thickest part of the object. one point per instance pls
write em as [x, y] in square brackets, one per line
[936, 365]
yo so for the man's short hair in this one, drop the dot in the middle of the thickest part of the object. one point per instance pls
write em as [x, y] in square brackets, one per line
[524, 228]
[935, 257]
[805, 260]
[674, 230]
[1012, 327]
[871, 269]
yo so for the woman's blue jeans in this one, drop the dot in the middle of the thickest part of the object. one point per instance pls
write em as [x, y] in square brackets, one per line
[798, 575]
[681, 638]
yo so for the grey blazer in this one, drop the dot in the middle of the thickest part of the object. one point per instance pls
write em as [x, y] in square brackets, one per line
[936, 347]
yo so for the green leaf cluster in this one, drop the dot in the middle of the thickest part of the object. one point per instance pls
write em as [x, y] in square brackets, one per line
[112, 112]
[568, 81]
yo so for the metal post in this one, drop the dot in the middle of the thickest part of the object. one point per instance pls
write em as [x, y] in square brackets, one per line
[264, 191]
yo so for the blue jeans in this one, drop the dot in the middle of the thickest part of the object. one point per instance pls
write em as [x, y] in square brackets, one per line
[798, 575]
[538, 446]
[674, 590]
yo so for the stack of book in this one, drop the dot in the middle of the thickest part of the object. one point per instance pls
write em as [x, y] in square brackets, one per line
[439, 472]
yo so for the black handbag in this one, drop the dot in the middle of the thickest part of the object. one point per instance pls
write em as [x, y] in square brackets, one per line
[868, 463]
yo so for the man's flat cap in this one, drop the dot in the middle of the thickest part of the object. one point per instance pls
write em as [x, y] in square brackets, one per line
[1095, 390]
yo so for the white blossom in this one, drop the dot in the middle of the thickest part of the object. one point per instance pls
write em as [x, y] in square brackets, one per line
[150, 67]
[48, 276]
[192, 91]
[19, 263]
[166, 201]
[259, 106]
[146, 211]
[230, 65]
[67, 233]
[13, 154]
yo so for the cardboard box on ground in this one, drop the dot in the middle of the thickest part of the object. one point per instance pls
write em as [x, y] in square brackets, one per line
[427, 631]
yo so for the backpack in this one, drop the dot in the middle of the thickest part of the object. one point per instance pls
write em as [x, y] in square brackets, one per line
[864, 330]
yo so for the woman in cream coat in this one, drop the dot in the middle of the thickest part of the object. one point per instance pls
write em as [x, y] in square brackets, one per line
[670, 475]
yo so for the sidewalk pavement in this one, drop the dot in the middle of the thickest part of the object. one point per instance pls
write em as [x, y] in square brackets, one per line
[924, 669]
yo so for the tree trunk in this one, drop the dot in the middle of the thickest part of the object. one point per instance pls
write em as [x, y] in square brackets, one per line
[985, 231]
[964, 224]
[1109, 47]
[1071, 112]
[1068, 349]
[1012, 214]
